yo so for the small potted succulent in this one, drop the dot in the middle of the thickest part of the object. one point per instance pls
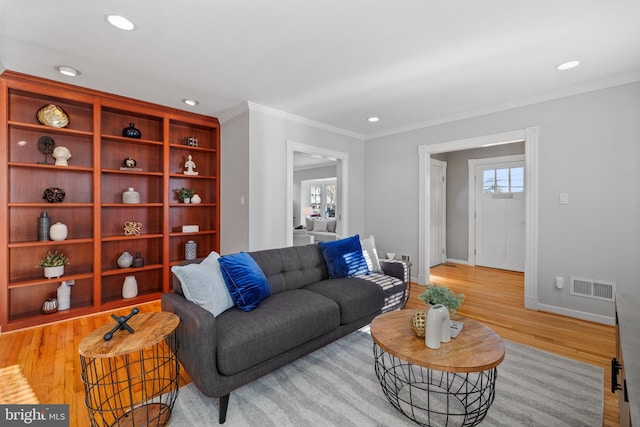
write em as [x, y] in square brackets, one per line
[53, 264]
[185, 194]
[435, 294]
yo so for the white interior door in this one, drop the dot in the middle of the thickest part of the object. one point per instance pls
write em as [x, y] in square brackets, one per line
[500, 215]
[437, 234]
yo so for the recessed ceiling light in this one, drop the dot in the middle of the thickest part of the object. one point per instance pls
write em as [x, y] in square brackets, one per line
[121, 22]
[373, 119]
[67, 71]
[191, 102]
[568, 65]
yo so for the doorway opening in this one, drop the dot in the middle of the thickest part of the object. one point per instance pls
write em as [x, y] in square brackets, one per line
[336, 207]
[530, 138]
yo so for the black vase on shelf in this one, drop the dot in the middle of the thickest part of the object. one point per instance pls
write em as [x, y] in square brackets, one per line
[131, 132]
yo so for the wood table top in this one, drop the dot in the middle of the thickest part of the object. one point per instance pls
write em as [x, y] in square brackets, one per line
[476, 348]
[149, 329]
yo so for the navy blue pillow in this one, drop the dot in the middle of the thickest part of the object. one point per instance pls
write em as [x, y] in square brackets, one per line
[245, 280]
[344, 257]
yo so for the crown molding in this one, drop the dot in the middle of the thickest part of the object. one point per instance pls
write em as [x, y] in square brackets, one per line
[302, 120]
[549, 96]
[234, 112]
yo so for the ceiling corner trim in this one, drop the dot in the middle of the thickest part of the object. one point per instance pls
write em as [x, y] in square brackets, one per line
[234, 112]
[302, 120]
[575, 90]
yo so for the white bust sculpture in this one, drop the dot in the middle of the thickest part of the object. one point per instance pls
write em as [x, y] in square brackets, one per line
[61, 154]
[190, 165]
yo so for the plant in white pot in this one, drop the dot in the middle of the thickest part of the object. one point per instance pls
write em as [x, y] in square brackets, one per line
[53, 264]
[185, 194]
[435, 294]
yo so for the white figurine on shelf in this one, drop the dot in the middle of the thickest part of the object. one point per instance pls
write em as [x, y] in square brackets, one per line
[61, 154]
[190, 165]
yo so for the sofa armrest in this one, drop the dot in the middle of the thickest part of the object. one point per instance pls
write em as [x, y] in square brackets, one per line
[196, 341]
[400, 270]
[396, 268]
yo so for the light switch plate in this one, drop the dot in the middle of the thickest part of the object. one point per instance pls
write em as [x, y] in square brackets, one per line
[564, 198]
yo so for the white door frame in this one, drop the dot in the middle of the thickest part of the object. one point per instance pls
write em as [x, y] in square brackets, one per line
[530, 137]
[443, 165]
[342, 183]
[473, 163]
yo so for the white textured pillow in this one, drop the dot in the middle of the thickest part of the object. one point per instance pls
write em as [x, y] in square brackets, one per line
[320, 225]
[204, 285]
[371, 254]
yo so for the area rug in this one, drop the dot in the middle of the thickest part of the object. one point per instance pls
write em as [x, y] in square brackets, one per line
[337, 386]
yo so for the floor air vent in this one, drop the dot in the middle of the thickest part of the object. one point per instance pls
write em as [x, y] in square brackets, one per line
[598, 289]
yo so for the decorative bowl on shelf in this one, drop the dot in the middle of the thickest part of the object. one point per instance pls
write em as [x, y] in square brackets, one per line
[53, 195]
[53, 116]
[50, 306]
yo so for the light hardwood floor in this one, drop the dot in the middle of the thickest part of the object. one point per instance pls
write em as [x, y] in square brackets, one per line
[48, 355]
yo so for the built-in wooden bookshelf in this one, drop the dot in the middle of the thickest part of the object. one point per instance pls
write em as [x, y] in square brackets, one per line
[93, 183]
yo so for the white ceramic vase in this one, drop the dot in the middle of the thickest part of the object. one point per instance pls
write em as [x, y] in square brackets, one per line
[438, 326]
[125, 260]
[64, 296]
[131, 196]
[195, 199]
[129, 287]
[58, 231]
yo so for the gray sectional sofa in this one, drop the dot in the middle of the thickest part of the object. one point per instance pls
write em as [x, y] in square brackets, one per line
[305, 311]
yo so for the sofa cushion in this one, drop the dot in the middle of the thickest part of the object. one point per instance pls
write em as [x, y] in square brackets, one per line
[356, 298]
[291, 268]
[320, 225]
[204, 285]
[371, 254]
[280, 323]
[344, 257]
[309, 223]
[331, 225]
[245, 280]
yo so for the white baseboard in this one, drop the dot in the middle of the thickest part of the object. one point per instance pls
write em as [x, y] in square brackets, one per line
[458, 261]
[597, 318]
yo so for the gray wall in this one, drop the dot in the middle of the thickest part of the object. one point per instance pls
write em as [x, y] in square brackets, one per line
[458, 193]
[588, 147]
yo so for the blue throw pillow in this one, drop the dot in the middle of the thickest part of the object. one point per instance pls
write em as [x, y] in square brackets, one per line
[344, 257]
[245, 280]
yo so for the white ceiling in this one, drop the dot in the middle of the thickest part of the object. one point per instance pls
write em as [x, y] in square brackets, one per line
[337, 62]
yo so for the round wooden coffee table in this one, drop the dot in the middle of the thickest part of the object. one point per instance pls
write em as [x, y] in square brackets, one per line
[450, 386]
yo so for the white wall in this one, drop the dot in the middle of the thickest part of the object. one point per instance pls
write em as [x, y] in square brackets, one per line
[264, 166]
[588, 147]
[234, 184]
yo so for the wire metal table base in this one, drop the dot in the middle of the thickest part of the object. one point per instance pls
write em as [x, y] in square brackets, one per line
[110, 383]
[435, 398]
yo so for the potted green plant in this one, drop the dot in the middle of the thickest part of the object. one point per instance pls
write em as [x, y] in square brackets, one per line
[53, 264]
[435, 294]
[185, 194]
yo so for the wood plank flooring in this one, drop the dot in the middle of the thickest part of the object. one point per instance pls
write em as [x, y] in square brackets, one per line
[496, 298]
[48, 355]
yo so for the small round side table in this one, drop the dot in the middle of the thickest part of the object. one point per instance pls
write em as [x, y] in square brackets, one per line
[132, 379]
